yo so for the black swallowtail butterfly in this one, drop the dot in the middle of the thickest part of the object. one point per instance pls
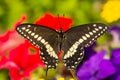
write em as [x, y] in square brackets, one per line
[72, 41]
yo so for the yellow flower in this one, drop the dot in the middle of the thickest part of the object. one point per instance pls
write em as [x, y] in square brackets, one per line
[64, 79]
[71, 79]
[111, 10]
[41, 79]
[61, 78]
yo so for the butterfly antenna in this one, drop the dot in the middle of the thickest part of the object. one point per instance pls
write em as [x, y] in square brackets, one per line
[58, 15]
[63, 15]
[58, 18]
[60, 22]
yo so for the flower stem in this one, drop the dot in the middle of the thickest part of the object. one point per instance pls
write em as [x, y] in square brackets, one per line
[74, 74]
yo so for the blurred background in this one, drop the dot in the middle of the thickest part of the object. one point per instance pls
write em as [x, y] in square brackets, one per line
[79, 10]
[105, 52]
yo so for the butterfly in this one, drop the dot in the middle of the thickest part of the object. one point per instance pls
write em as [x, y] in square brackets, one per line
[71, 42]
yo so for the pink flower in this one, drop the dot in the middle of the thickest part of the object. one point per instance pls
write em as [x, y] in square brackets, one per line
[10, 39]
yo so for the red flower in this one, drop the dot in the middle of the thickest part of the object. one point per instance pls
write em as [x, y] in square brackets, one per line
[26, 57]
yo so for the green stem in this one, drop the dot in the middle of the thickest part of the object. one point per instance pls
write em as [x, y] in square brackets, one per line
[74, 74]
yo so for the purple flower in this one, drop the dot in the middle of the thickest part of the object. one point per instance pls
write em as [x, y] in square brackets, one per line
[115, 31]
[89, 51]
[96, 68]
[115, 28]
[115, 59]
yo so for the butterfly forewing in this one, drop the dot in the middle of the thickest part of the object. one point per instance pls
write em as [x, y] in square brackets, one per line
[44, 38]
[81, 36]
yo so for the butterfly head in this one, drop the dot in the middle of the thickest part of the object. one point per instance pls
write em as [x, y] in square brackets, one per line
[60, 30]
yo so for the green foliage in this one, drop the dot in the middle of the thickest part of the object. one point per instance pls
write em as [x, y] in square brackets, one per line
[81, 11]
[41, 73]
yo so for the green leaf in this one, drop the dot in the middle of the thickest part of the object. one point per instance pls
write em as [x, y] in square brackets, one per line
[104, 39]
[4, 74]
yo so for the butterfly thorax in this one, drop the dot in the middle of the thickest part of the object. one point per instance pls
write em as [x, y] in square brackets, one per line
[60, 37]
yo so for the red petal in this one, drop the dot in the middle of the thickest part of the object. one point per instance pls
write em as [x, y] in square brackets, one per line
[22, 56]
[23, 18]
[56, 23]
[9, 41]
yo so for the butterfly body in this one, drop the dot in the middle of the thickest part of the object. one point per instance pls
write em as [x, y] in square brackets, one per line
[71, 42]
[60, 38]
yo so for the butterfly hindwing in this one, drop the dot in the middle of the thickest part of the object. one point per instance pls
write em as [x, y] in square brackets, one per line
[80, 37]
[72, 59]
[45, 39]
[48, 58]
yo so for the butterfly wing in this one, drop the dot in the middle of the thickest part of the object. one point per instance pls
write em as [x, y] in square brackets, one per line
[73, 58]
[45, 39]
[76, 38]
